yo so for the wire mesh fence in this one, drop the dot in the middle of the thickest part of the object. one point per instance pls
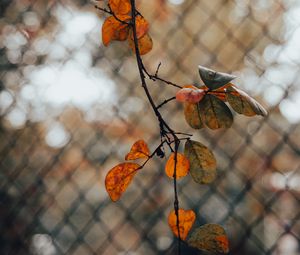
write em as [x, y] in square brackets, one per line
[71, 108]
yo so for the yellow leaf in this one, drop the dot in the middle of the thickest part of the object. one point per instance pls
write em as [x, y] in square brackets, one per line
[186, 221]
[118, 179]
[138, 150]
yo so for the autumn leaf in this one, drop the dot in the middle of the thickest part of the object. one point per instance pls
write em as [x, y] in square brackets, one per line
[182, 166]
[190, 86]
[211, 238]
[192, 115]
[118, 179]
[120, 6]
[145, 44]
[190, 95]
[215, 113]
[186, 221]
[214, 80]
[202, 162]
[220, 92]
[142, 26]
[113, 29]
[138, 150]
[242, 103]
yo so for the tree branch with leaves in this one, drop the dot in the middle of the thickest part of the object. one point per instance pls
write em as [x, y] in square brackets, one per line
[205, 105]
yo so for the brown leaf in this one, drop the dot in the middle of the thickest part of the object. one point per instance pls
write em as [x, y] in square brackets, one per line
[182, 166]
[118, 179]
[202, 162]
[145, 44]
[215, 113]
[120, 6]
[242, 103]
[192, 115]
[113, 29]
[138, 150]
[211, 238]
[186, 221]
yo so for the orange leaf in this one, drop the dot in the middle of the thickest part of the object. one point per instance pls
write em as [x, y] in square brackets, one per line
[118, 179]
[223, 243]
[113, 29]
[145, 44]
[182, 166]
[186, 221]
[120, 6]
[142, 26]
[190, 86]
[138, 150]
[221, 92]
[190, 95]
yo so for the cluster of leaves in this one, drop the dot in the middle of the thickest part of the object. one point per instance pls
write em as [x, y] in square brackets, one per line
[120, 176]
[119, 26]
[204, 105]
[198, 161]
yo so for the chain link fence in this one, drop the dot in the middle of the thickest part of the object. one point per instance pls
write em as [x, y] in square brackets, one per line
[70, 110]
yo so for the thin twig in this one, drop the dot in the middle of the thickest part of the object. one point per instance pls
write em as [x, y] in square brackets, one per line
[155, 77]
[165, 102]
[103, 9]
[157, 69]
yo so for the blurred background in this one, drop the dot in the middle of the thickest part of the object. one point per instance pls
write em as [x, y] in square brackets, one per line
[70, 110]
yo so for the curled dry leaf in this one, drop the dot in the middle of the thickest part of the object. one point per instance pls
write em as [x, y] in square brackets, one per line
[118, 179]
[120, 6]
[145, 44]
[202, 162]
[182, 166]
[242, 103]
[138, 150]
[215, 113]
[190, 95]
[211, 238]
[113, 29]
[214, 80]
[186, 221]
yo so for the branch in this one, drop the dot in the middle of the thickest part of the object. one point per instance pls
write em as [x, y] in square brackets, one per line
[155, 77]
[165, 102]
[162, 123]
